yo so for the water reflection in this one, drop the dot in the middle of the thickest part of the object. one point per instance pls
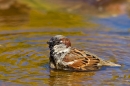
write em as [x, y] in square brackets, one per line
[59, 78]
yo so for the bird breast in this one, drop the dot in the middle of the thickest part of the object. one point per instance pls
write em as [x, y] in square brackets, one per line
[59, 52]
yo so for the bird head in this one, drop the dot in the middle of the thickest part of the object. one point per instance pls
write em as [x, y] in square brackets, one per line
[59, 40]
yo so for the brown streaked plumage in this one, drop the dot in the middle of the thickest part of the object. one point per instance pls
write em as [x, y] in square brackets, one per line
[66, 41]
[62, 56]
[82, 60]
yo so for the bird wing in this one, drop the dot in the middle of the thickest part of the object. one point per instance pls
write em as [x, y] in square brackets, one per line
[81, 60]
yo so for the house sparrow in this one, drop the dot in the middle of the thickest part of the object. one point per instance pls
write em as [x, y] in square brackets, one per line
[64, 57]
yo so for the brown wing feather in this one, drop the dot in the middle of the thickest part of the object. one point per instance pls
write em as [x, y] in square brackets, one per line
[81, 60]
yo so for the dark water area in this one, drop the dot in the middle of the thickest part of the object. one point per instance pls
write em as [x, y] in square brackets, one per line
[98, 26]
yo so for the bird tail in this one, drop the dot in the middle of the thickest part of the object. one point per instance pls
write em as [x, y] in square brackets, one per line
[111, 64]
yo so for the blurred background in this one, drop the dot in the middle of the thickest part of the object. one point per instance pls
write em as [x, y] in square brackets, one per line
[99, 26]
[62, 13]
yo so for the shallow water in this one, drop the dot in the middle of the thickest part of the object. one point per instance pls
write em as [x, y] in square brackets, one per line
[24, 53]
[24, 59]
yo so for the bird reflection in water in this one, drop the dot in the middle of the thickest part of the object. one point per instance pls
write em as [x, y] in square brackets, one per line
[59, 78]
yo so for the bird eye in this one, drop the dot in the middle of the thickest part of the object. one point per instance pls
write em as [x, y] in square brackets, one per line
[47, 42]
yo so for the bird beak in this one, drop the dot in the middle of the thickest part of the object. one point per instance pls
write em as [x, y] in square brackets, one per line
[47, 42]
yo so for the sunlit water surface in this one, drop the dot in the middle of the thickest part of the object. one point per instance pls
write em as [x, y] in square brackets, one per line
[24, 58]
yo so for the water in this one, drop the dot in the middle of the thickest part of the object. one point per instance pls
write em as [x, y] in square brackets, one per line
[24, 54]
